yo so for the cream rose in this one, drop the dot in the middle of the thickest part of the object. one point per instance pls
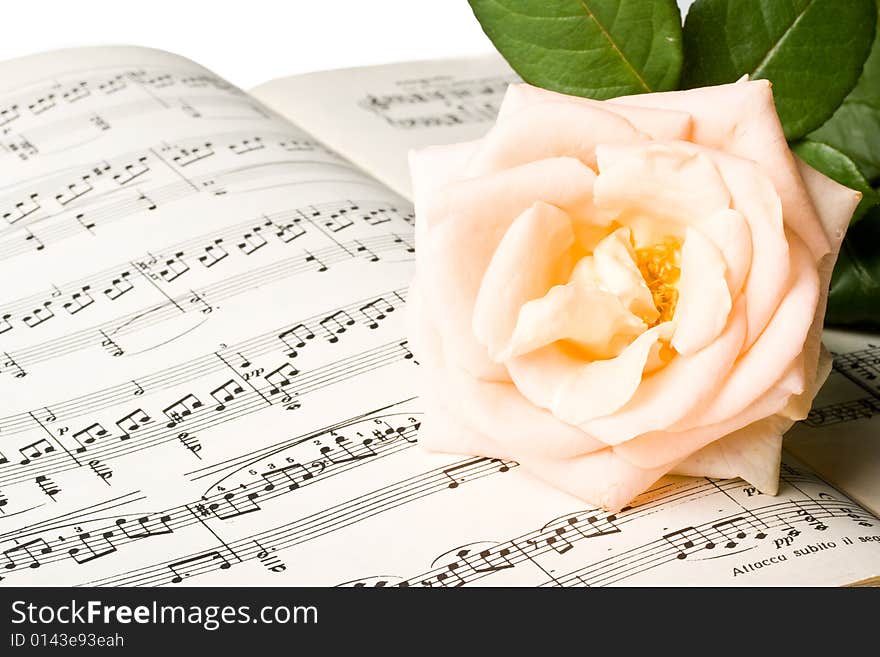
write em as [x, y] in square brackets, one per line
[608, 292]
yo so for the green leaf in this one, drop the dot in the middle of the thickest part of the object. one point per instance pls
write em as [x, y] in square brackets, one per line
[594, 48]
[855, 126]
[838, 166]
[854, 298]
[812, 51]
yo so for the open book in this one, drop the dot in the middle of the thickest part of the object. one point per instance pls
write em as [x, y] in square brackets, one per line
[205, 376]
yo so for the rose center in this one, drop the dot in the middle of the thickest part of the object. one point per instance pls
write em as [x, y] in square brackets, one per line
[660, 265]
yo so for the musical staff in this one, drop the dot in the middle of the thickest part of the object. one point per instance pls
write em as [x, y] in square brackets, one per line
[439, 102]
[268, 484]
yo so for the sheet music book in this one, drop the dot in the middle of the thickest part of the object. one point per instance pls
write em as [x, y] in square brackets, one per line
[205, 374]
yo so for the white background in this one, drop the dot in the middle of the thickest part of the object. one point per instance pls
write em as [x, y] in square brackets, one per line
[252, 41]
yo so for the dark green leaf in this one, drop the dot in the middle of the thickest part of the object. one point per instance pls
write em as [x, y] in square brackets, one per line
[812, 51]
[855, 286]
[838, 166]
[855, 126]
[594, 48]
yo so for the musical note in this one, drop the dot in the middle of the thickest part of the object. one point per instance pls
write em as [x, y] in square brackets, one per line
[368, 253]
[311, 257]
[119, 286]
[269, 560]
[334, 324]
[9, 114]
[290, 476]
[47, 486]
[92, 547]
[345, 452]
[39, 315]
[232, 506]
[463, 472]
[338, 221]
[247, 146]
[88, 436]
[35, 450]
[132, 171]
[23, 209]
[489, 560]
[375, 311]
[252, 241]
[226, 393]
[101, 470]
[181, 409]
[185, 156]
[298, 335]
[404, 242]
[110, 345]
[147, 203]
[199, 300]
[145, 527]
[174, 268]
[281, 377]
[33, 241]
[449, 577]
[191, 443]
[214, 253]
[688, 540]
[290, 231]
[74, 191]
[9, 363]
[186, 568]
[407, 353]
[132, 422]
[31, 550]
[79, 300]
[734, 530]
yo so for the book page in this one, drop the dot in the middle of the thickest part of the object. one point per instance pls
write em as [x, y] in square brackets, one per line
[373, 115]
[206, 380]
[841, 437]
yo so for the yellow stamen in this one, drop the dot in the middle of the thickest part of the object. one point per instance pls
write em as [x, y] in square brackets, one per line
[661, 269]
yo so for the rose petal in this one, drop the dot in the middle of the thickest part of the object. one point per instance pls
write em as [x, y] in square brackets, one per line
[533, 256]
[469, 223]
[654, 449]
[670, 394]
[659, 124]
[754, 197]
[577, 391]
[440, 431]
[561, 181]
[752, 453]
[437, 166]
[778, 346]
[729, 231]
[549, 129]
[835, 205]
[658, 184]
[602, 478]
[704, 301]
[834, 202]
[740, 118]
[495, 409]
[616, 270]
[594, 320]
